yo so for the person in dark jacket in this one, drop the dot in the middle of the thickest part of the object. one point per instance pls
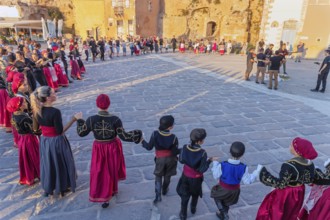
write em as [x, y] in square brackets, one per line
[166, 148]
[195, 162]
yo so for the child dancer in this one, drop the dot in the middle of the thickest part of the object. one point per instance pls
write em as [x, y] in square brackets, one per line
[166, 147]
[230, 174]
[195, 163]
[28, 144]
[286, 200]
[317, 205]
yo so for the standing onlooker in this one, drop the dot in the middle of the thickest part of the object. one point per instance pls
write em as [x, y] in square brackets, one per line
[86, 50]
[300, 51]
[284, 52]
[123, 45]
[173, 42]
[117, 42]
[269, 53]
[323, 73]
[229, 47]
[261, 66]
[93, 46]
[275, 64]
[101, 46]
[249, 64]
[261, 44]
[161, 44]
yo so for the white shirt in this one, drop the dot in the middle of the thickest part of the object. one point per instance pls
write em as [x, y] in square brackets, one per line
[247, 177]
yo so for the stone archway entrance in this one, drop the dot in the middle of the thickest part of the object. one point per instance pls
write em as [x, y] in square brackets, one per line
[210, 28]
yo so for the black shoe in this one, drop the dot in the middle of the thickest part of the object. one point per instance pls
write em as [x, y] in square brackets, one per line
[275, 88]
[220, 215]
[257, 82]
[182, 216]
[314, 90]
[165, 191]
[157, 199]
[322, 90]
[193, 210]
[105, 205]
[70, 81]
[270, 88]
[263, 83]
[247, 80]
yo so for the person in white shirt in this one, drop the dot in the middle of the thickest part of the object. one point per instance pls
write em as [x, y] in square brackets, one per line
[230, 174]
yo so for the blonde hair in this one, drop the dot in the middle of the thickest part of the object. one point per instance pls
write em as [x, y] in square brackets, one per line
[38, 97]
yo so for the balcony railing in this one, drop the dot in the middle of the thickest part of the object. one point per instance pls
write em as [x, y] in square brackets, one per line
[119, 10]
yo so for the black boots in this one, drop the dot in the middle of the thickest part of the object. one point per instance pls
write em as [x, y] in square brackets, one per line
[223, 210]
[166, 183]
[193, 204]
[158, 191]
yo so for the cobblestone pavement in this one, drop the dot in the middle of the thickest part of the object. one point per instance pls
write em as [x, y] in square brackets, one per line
[203, 91]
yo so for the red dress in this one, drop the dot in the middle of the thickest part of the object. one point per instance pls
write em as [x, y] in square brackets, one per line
[28, 149]
[75, 69]
[62, 79]
[317, 206]
[51, 81]
[5, 115]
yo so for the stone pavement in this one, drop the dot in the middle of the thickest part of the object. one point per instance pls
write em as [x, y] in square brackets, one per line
[204, 91]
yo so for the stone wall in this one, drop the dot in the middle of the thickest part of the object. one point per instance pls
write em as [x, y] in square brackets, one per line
[227, 18]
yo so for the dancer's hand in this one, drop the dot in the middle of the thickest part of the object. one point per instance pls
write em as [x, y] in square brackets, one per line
[78, 116]
[327, 163]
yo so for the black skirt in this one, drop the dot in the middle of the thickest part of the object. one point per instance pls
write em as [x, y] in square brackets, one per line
[189, 186]
[165, 166]
[228, 197]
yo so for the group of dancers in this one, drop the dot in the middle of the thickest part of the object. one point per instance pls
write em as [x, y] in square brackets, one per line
[48, 157]
[45, 155]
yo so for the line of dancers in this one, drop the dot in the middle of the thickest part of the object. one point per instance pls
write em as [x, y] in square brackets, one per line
[49, 157]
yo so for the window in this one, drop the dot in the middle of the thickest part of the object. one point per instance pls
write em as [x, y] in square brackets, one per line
[120, 28]
[114, 3]
[130, 27]
[127, 3]
[274, 24]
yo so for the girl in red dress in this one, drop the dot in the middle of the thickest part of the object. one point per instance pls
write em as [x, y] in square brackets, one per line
[107, 164]
[285, 201]
[28, 143]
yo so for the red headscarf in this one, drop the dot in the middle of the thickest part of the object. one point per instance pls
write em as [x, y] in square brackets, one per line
[304, 148]
[103, 101]
[18, 80]
[14, 104]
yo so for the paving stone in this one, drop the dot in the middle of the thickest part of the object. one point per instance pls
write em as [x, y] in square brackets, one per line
[232, 110]
[239, 129]
[133, 176]
[139, 160]
[264, 145]
[262, 158]
[254, 193]
[140, 210]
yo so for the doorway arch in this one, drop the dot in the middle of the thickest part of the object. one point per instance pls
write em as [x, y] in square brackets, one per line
[210, 28]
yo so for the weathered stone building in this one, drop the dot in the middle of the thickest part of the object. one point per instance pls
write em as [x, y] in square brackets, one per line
[230, 19]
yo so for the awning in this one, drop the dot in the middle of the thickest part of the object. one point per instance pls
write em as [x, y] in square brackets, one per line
[35, 24]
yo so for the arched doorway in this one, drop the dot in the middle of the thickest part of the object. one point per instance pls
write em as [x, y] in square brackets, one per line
[210, 28]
